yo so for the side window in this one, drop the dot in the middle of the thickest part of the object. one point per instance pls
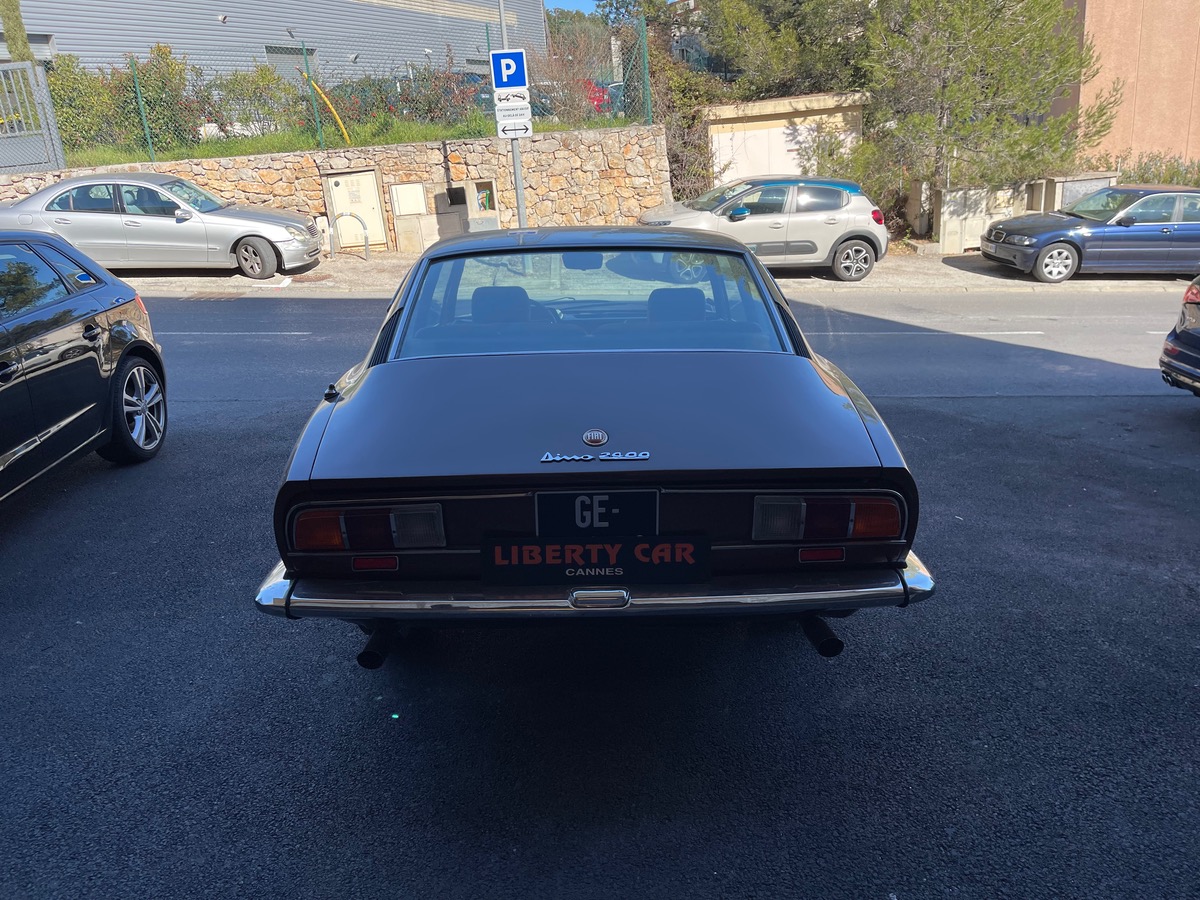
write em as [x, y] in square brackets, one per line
[26, 282]
[64, 265]
[1155, 209]
[766, 201]
[85, 198]
[144, 201]
[1191, 208]
[819, 199]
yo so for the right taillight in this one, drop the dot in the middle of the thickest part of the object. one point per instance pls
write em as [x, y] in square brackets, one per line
[369, 529]
[794, 517]
[1192, 294]
[877, 216]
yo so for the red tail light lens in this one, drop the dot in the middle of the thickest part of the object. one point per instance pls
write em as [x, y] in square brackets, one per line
[877, 217]
[1192, 294]
[876, 518]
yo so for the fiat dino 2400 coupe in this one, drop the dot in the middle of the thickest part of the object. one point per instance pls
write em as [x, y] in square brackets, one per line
[549, 424]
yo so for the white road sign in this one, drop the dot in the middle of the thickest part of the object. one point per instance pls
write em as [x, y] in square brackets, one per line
[514, 112]
[512, 97]
[523, 128]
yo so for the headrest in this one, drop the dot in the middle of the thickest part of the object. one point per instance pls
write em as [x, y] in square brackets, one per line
[675, 305]
[499, 303]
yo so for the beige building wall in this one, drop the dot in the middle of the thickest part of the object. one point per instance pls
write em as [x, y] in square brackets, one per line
[1154, 47]
[774, 137]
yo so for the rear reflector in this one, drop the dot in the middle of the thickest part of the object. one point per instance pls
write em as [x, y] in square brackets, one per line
[823, 554]
[375, 564]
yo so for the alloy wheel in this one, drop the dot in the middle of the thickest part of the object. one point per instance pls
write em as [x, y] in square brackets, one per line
[855, 262]
[250, 261]
[1058, 264]
[145, 408]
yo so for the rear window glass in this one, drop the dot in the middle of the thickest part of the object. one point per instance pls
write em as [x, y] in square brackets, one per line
[547, 301]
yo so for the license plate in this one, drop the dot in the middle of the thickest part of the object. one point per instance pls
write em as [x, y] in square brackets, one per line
[613, 560]
[594, 515]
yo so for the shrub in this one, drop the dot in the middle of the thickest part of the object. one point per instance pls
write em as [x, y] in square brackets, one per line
[256, 101]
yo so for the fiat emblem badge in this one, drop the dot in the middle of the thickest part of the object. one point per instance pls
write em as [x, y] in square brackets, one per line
[595, 438]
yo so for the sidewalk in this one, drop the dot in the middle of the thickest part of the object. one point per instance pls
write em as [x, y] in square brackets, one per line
[349, 275]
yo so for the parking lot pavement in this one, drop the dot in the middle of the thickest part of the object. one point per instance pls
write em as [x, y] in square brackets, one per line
[352, 275]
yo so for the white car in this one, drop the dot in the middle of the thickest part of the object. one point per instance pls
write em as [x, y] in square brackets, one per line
[787, 220]
[133, 220]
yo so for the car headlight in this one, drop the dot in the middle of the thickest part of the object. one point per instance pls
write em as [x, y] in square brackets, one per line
[1022, 240]
[298, 234]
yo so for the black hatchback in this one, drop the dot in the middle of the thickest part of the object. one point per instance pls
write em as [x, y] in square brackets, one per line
[1180, 360]
[79, 367]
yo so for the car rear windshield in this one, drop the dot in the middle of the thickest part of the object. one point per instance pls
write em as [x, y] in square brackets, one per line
[573, 300]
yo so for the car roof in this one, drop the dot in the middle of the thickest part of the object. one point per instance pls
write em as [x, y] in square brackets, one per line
[109, 178]
[1151, 188]
[852, 187]
[581, 237]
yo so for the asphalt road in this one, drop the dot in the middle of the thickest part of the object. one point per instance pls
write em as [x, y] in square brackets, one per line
[1030, 732]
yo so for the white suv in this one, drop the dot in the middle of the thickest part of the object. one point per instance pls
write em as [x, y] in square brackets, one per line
[790, 221]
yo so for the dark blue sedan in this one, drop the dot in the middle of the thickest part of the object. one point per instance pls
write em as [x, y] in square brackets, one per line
[1130, 228]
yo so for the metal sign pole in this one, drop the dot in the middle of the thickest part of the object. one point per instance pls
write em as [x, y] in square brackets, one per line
[518, 178]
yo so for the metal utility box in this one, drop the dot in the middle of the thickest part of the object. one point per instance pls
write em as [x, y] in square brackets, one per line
[355, 205]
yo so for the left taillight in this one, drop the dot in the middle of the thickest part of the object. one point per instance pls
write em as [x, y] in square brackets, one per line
[368, 529]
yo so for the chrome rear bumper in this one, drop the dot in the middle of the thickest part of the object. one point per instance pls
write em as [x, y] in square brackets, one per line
[372, 600]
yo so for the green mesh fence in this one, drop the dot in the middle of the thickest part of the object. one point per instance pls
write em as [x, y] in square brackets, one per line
[169, 105]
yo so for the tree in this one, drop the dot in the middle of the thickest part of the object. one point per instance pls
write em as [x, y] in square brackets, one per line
[787, 47]
[971, 93]
[13, 27]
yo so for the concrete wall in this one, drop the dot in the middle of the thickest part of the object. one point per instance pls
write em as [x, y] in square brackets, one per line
[607, 176]
[774, 137]
[1154, 46]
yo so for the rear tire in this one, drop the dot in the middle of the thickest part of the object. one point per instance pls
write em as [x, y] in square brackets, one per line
[256, 258]
[853, 261]
[1056, 263]
[139, 413]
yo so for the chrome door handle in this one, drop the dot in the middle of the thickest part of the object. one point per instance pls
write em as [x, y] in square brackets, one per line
[61, 221]
[8, 371]
[1167, 230]
[92, 333]
[133, 224]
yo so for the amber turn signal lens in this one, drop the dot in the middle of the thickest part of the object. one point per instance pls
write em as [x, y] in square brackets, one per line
[317, 530]
[876, 518]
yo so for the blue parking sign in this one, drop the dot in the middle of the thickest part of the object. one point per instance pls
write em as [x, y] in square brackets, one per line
[508, 69]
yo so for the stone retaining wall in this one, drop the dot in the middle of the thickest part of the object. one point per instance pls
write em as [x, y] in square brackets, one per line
[601, 177]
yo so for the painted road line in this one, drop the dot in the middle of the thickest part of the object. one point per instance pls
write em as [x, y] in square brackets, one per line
[232, 333]
[922, 333]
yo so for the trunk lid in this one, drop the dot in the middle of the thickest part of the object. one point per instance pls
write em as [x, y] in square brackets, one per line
[468, 416]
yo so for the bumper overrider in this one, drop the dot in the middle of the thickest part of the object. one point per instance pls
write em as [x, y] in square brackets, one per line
[816, 592]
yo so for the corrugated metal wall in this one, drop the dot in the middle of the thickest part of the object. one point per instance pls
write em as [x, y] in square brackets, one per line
[348, 36]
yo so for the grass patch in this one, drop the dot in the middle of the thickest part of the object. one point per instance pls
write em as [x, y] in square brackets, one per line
[383, 131]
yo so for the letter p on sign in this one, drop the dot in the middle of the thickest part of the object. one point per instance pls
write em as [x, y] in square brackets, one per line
[508, 69]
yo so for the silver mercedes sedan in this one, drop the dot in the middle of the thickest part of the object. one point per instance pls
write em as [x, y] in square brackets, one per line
[146, 220]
